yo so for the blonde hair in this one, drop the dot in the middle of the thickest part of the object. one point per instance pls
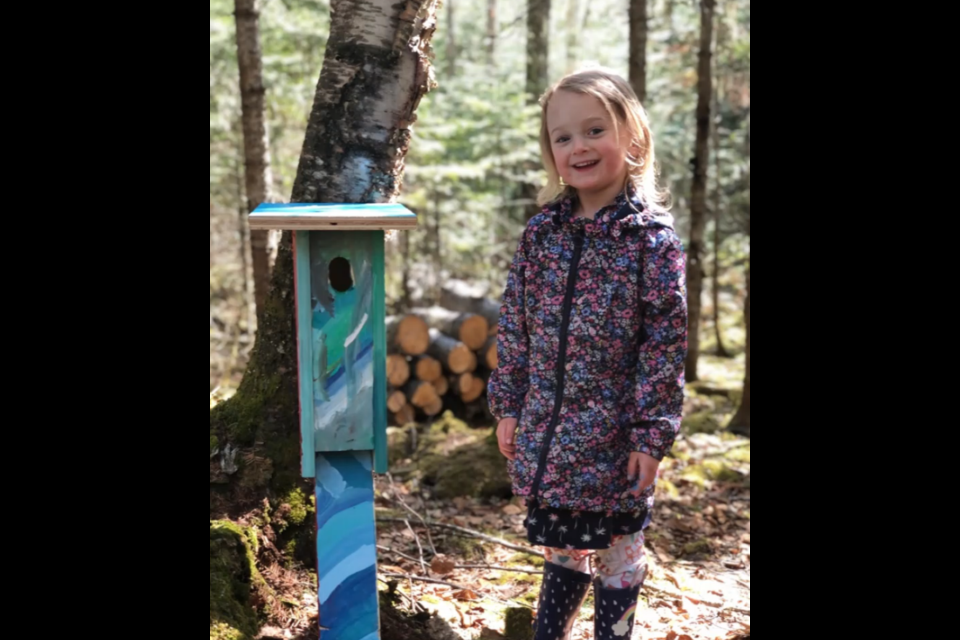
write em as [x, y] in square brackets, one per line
[624, 109]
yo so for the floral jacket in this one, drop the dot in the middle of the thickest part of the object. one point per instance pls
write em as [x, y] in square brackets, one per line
[592, 339]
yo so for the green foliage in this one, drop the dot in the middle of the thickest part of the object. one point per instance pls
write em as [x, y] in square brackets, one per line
[475, 141]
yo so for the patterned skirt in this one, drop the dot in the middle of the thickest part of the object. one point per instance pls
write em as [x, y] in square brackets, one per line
[565, 529]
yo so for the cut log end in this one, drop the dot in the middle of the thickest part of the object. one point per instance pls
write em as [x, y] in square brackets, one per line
[474, 331]
[398, 371]
[405, 415]
[420, 393]
[396, 401]
[441, 384]
[412, 335]
[462, 383]
[488, 353]
[434, 407]
[476, 390]
[428, 369]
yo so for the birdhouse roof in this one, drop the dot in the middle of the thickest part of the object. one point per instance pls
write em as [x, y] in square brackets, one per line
[332, 217]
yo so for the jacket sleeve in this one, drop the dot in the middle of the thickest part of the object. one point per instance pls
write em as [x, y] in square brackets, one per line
[657, 403]
[507, 385]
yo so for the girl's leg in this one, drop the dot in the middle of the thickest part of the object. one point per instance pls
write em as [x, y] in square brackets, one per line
[576, 559]
[621, 570]
[624, 564]
[566, 582]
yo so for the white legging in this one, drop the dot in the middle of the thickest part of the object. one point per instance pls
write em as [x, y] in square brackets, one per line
[622, 566]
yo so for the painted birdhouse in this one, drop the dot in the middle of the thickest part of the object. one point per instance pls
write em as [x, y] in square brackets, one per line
[342, 366]
[340, 302]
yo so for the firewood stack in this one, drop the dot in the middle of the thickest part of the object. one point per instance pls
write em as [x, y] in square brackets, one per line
[440, 357]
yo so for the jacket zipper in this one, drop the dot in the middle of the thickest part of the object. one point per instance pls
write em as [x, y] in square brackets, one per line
[561, 362]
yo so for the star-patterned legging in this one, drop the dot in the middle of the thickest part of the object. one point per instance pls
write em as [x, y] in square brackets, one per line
[621, 566]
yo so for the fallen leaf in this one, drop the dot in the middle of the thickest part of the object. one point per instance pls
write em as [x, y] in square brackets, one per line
[442, 565]
[407, 533]
[392, 568]
[466, 594]
[512, 509]
[671, 635]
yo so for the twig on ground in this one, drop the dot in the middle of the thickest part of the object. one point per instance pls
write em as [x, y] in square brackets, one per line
[496, 568]
[424, 579]
[408, 508]
[423, 563]
[475, 534]
[399, 553]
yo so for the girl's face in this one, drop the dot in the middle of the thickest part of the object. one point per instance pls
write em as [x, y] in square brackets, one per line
[586, 150]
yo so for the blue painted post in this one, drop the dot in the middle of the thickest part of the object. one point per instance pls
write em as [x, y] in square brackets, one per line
[342, 368]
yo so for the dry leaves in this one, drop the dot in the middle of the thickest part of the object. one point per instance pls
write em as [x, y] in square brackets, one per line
[441, 565]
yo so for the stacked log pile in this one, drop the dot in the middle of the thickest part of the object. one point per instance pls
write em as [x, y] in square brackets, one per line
[440, 357]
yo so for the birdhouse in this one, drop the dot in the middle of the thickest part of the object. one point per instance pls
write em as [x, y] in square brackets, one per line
[342, 366]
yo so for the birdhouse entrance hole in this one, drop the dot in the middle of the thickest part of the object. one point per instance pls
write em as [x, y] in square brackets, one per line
[341, 275]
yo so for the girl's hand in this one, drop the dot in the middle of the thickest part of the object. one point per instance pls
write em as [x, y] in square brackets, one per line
[505, 431]
[646, 467]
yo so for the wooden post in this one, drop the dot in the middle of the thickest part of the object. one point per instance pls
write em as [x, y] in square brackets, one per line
[342, 367]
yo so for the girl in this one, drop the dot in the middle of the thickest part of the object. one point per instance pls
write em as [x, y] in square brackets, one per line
[592, 340]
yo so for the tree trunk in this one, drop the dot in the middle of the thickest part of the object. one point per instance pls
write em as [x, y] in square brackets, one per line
[405, 272]
[538, 24]
[243, 229]
[638, 48]
[698, 198]
[715, 275]
[491, 32]
[435, 234]
[451, 41]
[376, 69]
[256, 150]
[741, 421]
[717, 203]
[573, 35]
